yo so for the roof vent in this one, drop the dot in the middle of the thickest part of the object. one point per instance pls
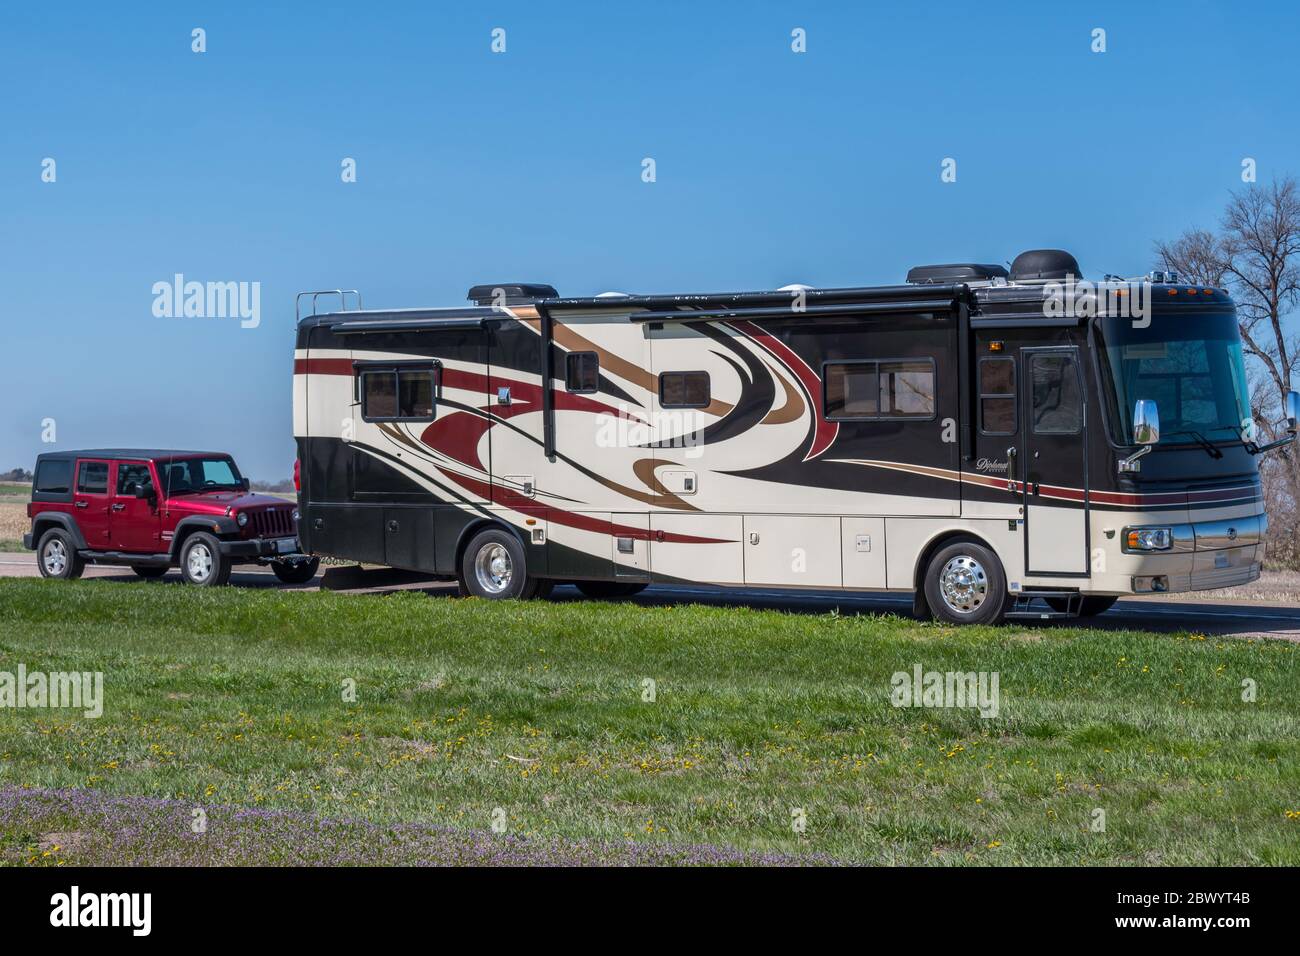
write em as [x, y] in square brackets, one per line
[955, 272]
[614, 295]
[1042, 264]
[510, 293]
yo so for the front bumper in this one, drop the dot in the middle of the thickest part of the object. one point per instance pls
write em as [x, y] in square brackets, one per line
[253, 548]
[1204, 556]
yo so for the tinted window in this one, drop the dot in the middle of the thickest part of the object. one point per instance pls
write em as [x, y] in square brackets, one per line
[92, 478]
[1057, 408]
[852, 391]
[684, 389]
[130, 474]
[894, 388]
[54, 477]
[582, 372]
[997, 396]
[379, 395]
[397, 394]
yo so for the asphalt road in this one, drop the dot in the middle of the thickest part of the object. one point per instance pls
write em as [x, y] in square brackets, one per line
[1236, 618]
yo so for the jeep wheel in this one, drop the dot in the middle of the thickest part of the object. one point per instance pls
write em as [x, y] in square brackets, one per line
[202, 562]
[56, 556]
[965, 584]
[494, 567]
[150, 570]
[603, 590]
[295, 573]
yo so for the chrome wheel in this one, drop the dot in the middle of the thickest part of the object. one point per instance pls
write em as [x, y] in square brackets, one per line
[493, 568]
[198, 563]
[963, 584]
[55, 557]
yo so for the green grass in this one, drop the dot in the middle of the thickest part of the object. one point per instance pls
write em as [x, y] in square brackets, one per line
[11, 546]
[15, 489]
[235, 697]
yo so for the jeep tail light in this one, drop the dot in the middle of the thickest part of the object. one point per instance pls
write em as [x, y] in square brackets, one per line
[297, 475]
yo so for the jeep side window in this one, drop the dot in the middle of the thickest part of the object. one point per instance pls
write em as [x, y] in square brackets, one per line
[92, 478]
[54, 477]
[129, 475]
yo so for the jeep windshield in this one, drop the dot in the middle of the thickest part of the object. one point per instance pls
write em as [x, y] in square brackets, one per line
[190, 475]
[1190, 365]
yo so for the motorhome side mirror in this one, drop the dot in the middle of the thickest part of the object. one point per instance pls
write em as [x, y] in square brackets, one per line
[1146, 422]
[1292, 410]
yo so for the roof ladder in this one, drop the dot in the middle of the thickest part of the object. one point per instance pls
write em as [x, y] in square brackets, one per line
[341, 293]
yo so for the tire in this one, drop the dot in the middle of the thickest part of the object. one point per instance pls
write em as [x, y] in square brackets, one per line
[202, 563]
[965, 584]
[494, 567]
[150, 571]
[604, 590]
[1092, 606]
[56, 556]
[299, 573]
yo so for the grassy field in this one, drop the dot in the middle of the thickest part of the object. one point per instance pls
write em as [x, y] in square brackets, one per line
[234, 701]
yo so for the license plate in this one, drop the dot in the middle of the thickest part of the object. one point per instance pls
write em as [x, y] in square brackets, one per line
[286, 545]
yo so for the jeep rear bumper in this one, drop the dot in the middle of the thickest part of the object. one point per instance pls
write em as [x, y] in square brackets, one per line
[253, 548]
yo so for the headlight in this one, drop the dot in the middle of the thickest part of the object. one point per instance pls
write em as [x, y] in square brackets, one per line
[1149, 539]
[242, 518]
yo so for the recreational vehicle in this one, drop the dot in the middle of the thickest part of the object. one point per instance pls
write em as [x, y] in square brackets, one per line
[997, 442]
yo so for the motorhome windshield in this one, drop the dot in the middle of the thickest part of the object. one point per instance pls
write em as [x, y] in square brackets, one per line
[1190, 365]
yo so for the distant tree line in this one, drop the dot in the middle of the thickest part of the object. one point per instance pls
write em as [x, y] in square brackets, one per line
[281, 487]
[16, 474]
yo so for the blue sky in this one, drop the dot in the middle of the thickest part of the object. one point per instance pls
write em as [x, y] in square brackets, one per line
[772, 167]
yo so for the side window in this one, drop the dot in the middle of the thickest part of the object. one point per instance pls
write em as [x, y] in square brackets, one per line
[582, 372]
[129, 475]
[879, 390]
[1057, 405]
[92, 478]
[54, 477]
[684, 389]
[397, 394]
[997, 396]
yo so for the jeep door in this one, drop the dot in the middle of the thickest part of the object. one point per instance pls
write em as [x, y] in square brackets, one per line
[134, 523]
[91, 500]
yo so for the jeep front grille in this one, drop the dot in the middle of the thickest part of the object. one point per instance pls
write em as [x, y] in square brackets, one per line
[273, 523]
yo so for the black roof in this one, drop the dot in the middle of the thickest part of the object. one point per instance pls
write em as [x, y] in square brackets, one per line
[931, 295]
[149, 453]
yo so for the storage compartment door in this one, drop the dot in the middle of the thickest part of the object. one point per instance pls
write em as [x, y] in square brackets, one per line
[792, 551]
[702, 549]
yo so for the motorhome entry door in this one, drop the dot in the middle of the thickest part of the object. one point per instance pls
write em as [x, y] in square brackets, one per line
[1054, 465]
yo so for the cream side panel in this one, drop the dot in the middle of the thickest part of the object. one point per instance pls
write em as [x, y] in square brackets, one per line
[792, 551]
[906, 538]
[719, 560]
[862, 542]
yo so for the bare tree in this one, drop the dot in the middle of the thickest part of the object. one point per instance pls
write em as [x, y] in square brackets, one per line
[1256, 256]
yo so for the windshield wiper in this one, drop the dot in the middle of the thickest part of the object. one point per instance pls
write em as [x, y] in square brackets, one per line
[1201, 440]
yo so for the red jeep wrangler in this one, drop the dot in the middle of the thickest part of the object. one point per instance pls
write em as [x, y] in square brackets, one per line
[154, 510]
